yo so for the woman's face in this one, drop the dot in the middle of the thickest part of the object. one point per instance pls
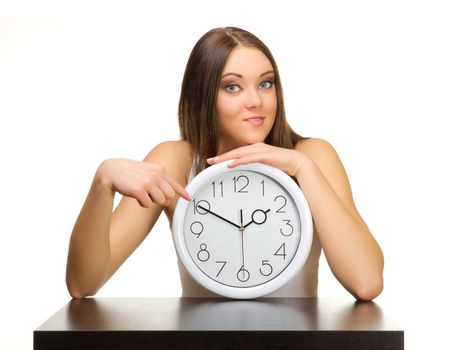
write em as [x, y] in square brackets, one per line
[246, 101]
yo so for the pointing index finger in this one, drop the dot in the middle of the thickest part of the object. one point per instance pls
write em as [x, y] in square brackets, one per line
[181, 191]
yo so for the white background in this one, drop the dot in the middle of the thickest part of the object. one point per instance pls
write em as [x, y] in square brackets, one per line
[81, 82]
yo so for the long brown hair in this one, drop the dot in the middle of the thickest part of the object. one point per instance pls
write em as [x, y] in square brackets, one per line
[197, 104]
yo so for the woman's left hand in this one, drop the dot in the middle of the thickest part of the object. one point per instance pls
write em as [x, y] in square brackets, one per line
[289, 161]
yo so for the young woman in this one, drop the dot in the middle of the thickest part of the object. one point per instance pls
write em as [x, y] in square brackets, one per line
[231, 107]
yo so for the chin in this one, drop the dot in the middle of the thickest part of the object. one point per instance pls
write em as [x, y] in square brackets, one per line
[252, 141]
[247, 140]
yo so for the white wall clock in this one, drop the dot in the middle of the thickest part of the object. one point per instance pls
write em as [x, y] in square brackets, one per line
[246, 232]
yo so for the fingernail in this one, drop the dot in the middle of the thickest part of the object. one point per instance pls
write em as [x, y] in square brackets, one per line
[187, 196]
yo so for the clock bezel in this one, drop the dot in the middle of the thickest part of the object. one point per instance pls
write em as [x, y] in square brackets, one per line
[297, 262]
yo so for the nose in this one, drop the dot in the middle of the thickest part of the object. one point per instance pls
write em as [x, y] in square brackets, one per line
[253, 98]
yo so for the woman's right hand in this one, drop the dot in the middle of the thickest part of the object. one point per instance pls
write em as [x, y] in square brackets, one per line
[146, 182]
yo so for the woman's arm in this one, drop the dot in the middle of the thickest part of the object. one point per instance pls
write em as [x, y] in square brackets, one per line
[353, 255]
[101, 240]
[89, 247]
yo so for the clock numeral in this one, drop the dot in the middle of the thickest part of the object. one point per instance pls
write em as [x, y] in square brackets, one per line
[266, 269]
[202, 203]
[282, 251]
[203, 254]
[263, 188]
[244, 182]
[196, 228]
[286, 231]
[243, 274]
[284, 200]
[221, 268]
[220, 185]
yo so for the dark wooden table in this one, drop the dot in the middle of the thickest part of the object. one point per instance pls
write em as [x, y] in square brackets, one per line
[204, 323]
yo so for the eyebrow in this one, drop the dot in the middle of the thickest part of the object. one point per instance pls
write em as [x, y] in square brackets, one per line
[241, 76]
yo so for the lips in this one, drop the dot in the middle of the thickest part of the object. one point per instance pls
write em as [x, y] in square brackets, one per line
[255, 120]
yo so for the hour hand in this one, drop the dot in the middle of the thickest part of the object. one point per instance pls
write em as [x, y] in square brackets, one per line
[258, 217]
[218, 216]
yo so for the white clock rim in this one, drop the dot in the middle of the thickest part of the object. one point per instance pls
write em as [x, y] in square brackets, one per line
[277, 282]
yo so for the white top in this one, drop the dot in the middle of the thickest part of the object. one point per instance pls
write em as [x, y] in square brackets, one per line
[304, 284]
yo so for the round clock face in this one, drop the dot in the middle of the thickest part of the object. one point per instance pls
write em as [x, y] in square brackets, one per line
[243, 234]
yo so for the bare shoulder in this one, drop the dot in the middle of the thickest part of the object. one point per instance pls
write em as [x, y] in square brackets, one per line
[320, 151]
[325, 157]
[174, 156]
[170, 147]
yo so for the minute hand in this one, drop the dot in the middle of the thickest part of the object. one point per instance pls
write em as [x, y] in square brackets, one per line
[218, 216]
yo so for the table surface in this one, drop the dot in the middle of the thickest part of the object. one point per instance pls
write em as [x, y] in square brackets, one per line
[171, 314]
[207, 315]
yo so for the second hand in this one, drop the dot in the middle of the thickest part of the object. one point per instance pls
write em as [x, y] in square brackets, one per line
[241, 236]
